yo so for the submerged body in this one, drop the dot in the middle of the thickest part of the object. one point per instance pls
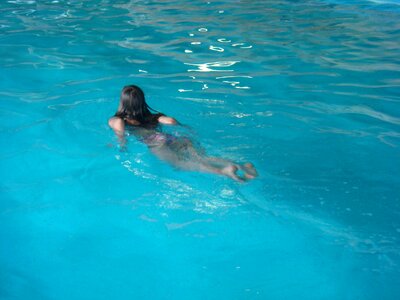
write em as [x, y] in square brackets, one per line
[134, 113]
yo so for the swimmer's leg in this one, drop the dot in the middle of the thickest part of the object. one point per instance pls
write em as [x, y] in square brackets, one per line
[219, 165]
[249, 170]
[187, 158]
[182, 154]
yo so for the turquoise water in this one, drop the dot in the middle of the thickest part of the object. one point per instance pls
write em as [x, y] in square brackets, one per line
[306, 90]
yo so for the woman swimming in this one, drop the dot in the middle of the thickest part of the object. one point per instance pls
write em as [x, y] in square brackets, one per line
[133, 113]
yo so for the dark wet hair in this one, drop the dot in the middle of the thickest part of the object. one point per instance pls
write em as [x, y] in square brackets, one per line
[133, 106]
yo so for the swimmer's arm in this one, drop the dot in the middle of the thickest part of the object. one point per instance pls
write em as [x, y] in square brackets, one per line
[171, 121]
[118, 125]
[167, 120]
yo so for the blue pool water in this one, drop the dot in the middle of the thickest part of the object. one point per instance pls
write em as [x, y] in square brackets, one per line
[309, 91]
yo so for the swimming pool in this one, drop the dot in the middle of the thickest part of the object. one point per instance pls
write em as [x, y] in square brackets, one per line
[306, 90]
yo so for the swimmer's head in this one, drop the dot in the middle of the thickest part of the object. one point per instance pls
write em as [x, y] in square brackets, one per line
[132, 104]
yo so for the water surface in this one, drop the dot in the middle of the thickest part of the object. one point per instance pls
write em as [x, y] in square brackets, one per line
[306, 90]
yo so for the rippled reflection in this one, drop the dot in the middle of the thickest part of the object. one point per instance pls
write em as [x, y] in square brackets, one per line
[210, 66]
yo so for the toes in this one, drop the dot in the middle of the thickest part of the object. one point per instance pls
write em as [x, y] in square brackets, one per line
[250, 170]
[248, 176]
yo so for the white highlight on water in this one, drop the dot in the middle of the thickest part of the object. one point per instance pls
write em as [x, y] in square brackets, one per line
[218, 49]
[208, 67]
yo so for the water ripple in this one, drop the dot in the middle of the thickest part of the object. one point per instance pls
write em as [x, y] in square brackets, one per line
[269, 76]
[354, 109]
[208, 67]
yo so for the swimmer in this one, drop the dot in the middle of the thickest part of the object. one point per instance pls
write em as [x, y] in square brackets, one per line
[135, 115]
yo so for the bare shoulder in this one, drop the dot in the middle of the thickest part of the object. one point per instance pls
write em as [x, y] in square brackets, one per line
[167, 120]
[116, 123]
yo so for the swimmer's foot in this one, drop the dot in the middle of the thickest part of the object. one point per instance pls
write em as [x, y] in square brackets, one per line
[249, 170]
[230, 171]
